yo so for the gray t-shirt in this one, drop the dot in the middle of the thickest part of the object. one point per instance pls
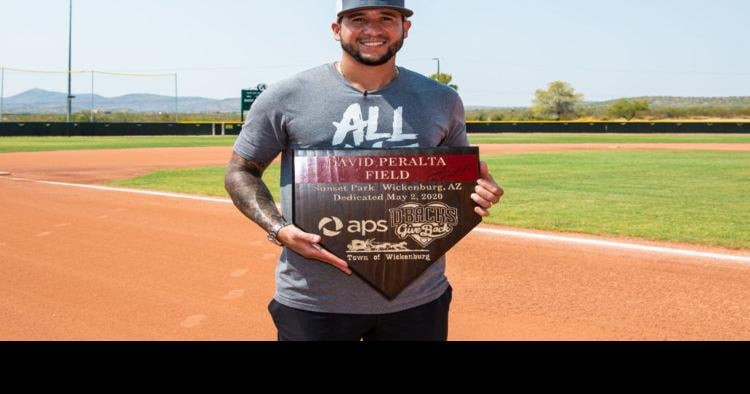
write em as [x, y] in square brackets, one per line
[320, 109]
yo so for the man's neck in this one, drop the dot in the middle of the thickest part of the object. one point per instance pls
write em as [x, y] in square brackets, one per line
[367, 78]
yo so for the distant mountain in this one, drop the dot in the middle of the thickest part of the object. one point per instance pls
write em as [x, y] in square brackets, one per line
[684, 102]
[655, 102]
[43, 101]
[489, 108]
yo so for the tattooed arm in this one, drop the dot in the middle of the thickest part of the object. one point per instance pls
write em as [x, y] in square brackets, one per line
[243, 181]
[249, 193]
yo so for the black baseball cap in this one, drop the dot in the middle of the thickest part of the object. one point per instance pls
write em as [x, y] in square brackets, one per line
[345, 6]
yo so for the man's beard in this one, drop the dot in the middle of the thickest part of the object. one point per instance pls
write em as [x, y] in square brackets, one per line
[392, 51]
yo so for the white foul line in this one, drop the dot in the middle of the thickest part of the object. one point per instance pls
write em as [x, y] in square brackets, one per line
[617, 245]
[506, 233]
[132, 191]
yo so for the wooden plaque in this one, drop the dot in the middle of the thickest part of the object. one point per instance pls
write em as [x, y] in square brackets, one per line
[390, 213]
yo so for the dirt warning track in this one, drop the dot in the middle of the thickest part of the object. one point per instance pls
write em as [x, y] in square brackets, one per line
[82, 263]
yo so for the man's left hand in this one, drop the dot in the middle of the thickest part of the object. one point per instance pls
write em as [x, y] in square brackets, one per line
[487, 193]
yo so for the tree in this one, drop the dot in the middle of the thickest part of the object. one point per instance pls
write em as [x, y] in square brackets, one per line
[445, 79]
[559, 99]
[628, 109]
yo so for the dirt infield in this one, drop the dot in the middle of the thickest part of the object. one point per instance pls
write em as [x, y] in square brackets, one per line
[97, 264]
[94, 166]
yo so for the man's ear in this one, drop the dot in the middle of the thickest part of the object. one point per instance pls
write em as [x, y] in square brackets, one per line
[336, 28]
[407, 26]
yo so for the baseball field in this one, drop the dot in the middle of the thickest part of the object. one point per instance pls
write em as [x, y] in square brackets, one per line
[598, 237]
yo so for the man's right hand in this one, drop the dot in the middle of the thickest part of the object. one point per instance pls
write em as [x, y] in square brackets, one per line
[244, 183]
[307, 246]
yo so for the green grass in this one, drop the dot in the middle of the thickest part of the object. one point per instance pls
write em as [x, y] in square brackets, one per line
[522, 138]
[41, 144]
[696, 197]
[206, 181]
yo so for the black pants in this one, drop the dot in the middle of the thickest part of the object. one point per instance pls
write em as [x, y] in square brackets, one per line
[428, 322]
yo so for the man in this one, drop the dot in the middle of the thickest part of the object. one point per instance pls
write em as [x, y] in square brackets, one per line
[361, 101]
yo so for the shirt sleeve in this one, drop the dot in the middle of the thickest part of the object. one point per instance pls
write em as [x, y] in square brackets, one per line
[263, 134]
[457, 128]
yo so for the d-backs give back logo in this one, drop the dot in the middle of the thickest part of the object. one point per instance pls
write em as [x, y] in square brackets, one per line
[423, 223]
[354, 131]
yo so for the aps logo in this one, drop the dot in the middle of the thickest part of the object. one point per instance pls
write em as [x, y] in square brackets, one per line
[332, 226]
[337, 226]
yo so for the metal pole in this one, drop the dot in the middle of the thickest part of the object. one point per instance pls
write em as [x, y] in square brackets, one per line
[2, 92]
[176, 101]
[91, 114]
[70, 58]
[438, 65]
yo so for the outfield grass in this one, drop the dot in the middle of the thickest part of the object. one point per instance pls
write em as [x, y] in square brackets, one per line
[695, 197]
[39, 144]
[207, 181]
[541, 138]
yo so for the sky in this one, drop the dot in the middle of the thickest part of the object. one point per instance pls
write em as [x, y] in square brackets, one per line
[499, 52]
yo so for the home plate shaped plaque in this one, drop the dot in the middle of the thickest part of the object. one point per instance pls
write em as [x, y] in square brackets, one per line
[389, 213]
